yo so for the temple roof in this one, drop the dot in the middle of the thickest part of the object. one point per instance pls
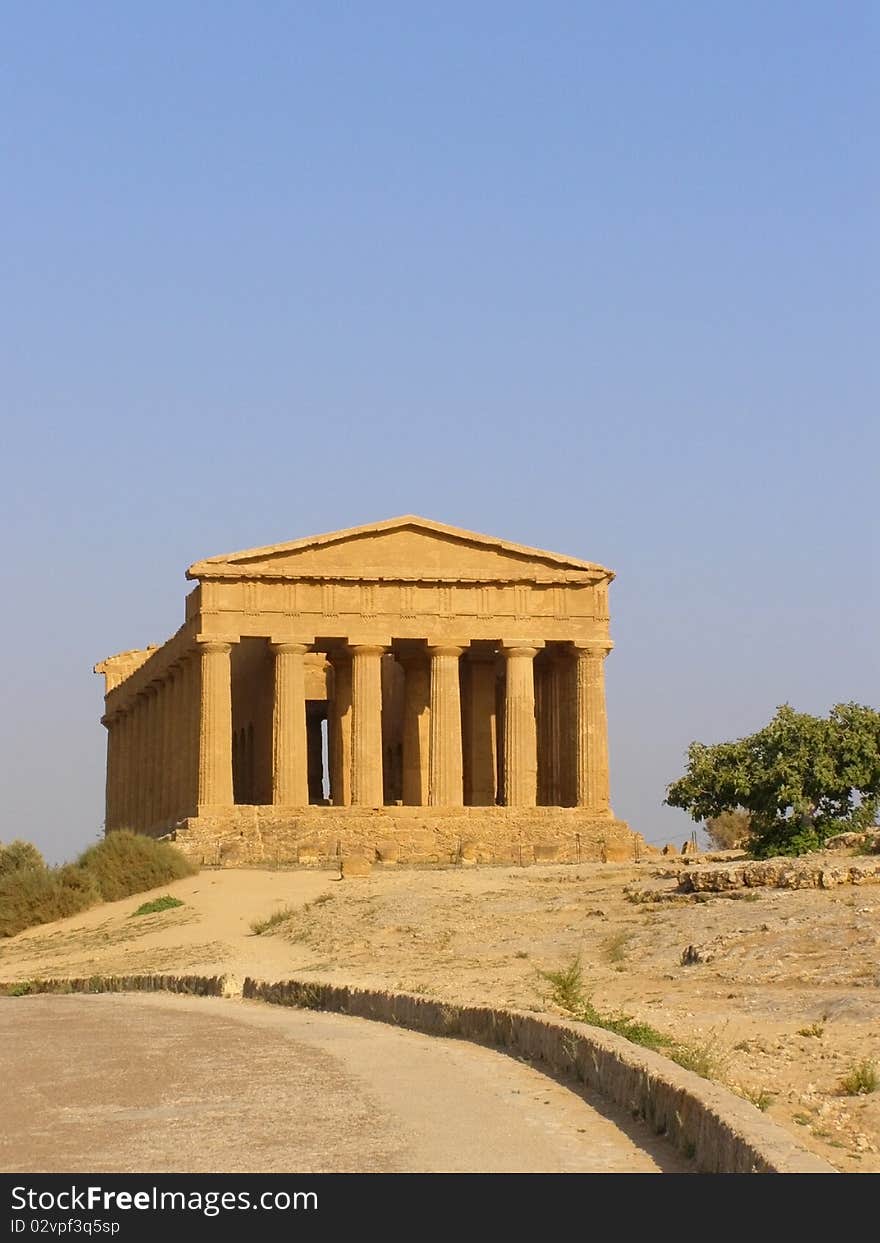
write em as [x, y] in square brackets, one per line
[404, 546]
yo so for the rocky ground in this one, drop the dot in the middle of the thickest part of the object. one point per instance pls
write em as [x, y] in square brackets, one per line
[776, 991]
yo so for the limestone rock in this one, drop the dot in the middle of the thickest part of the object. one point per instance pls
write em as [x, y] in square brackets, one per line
[354, 865]
[811, 872]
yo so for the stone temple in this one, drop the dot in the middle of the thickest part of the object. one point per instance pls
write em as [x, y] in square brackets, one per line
[404, 691]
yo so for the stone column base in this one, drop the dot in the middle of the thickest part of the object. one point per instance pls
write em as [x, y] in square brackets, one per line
[246, 836]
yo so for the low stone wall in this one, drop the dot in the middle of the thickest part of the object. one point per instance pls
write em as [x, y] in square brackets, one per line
[193, 985]
[812, 872]
[721, 1132]
[250, 836]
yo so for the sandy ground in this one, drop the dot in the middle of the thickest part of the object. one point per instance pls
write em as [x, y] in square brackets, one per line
[166, 1083]
[784, 1002]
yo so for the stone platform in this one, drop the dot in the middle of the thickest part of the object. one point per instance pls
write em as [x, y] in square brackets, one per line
[253, 836]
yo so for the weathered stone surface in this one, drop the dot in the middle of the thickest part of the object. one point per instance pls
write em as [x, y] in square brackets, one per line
[354, 865]
[475, 852]
[462, 673]
[869, 839]
[622, 853]
[319, 835]
[811, 872]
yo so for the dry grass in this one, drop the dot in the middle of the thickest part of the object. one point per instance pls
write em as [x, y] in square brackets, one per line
[271, 922]
[615, 946]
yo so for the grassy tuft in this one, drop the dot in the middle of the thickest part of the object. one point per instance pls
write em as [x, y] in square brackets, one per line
[704, 1058]
[861, 1080]
[165, 903]
[568, 993]
[814, 1029]
[259, 926]
[616, 946]
[759, 1097]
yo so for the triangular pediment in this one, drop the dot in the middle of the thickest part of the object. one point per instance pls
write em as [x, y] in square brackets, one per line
[407, 548]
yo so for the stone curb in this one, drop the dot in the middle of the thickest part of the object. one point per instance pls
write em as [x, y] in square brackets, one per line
[194, 985]
[721, 1132]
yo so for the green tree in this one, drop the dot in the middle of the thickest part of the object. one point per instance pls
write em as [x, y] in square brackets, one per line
[799, 779]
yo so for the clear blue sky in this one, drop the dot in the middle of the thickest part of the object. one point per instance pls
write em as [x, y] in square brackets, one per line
[597, 277]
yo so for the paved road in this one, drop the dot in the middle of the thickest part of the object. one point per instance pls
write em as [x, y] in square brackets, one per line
[158, 1083]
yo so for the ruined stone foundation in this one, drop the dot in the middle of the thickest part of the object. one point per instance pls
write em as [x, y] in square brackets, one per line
[254, 836]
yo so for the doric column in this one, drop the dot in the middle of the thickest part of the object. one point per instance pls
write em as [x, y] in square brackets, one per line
[192, 717]
[128, 781]
[170, 748]
[416, 731]
[366, 725]
[175, 738]
[111, 782]
[164, 746]
[289, 760]
[339, 729]
[144, 763]
[520, 742]
[215, 724]
[444, 749]
[566, 673]
[480, 742]
[134, 763]
[172, 679]
[121, 782]
[551, 740]
[156, 747]
[591, 728]
[151, 765]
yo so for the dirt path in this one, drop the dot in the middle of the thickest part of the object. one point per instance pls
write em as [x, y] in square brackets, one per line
[162, 1083]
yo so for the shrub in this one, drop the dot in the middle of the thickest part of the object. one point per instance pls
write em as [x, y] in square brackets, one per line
[19, 854]
[861, 1080]
[22, 989]
[37, 895]
[567, 990]
[125, 863]
[122, 864]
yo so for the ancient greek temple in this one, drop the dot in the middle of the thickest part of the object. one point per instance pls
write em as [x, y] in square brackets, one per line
[405, 686]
